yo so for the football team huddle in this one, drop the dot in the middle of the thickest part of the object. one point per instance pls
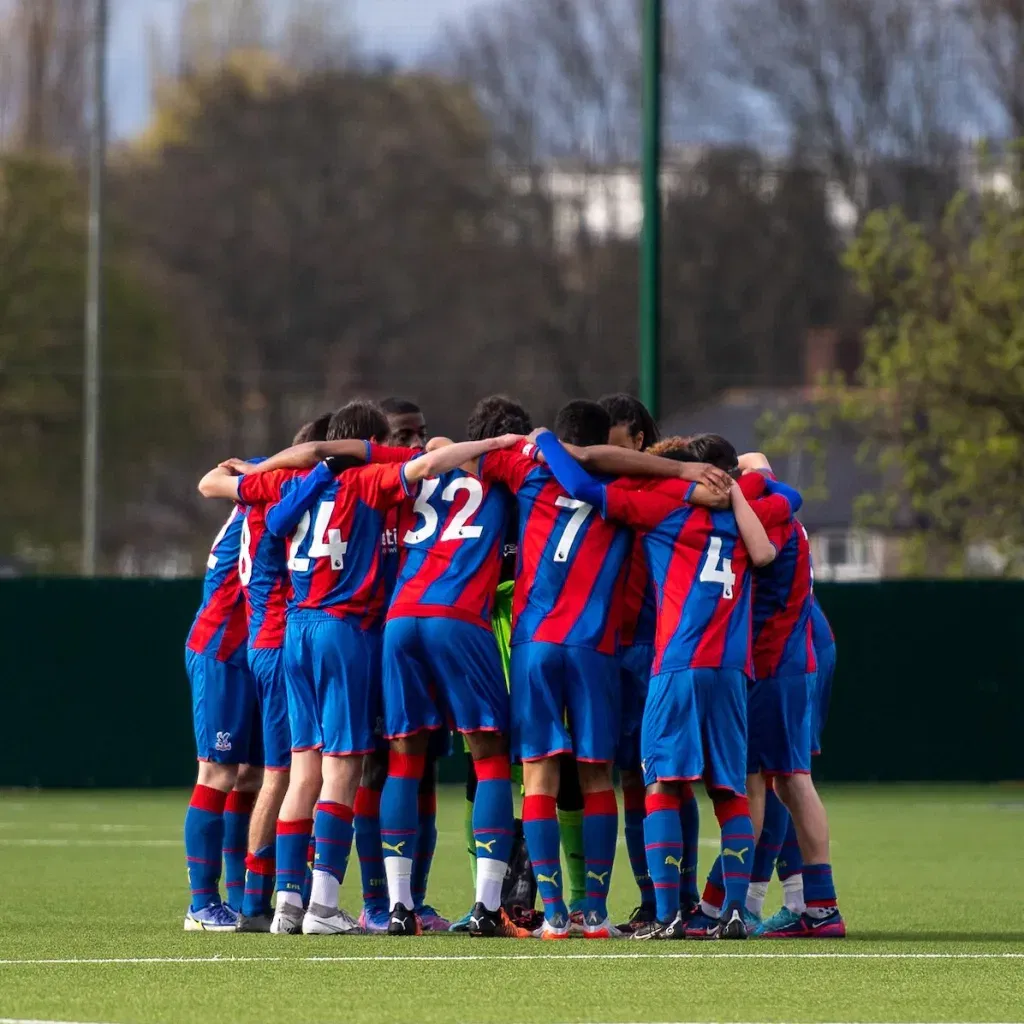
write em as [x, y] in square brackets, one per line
[559, 604]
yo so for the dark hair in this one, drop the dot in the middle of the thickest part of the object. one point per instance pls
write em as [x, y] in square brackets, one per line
[497, 415]
[359, 420]
[399, 407]
[583, 423]
[315, 430]
[633, 414]
[715, 450]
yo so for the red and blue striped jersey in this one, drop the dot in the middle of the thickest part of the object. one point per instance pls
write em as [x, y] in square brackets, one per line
[263, 570]
[783, 595]
[452, 549]
[571, 562]
[700, 569]
[219, 628]
[640, 604]
[336, 554]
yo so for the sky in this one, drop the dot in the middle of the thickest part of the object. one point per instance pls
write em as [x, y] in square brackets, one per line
[399, 28]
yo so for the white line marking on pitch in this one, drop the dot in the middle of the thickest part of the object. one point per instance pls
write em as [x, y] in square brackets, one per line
[23, 1020]
[551, 957]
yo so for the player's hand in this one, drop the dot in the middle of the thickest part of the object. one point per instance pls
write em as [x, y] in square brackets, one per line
[534, 434]
[714, 479]
[237, 467]
[509, 440]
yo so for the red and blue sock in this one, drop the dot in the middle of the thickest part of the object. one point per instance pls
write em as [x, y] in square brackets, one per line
[769, 842]
[819, 890]
[332, 838]
[689, 823]
[600, 836]
[664, 841]
[259, 882]
[790, 861]
[737, 857]
[368, 849]
[494, 824]
[540, 826]
[204, 839]
[293, 841]
[426, 843]
[399, 824]
[237, 812]
[633, 798]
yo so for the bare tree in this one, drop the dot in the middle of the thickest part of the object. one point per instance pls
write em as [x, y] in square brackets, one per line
[996, 35]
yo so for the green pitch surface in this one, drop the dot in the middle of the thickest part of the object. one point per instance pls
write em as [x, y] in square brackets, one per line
[931, 882]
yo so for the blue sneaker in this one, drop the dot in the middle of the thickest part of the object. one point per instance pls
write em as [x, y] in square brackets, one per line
[374, 920]
[783, 918]
[214, 918]
[431, 919]
[804, 926]
[462, 925]
[751, 920]
[702, 926]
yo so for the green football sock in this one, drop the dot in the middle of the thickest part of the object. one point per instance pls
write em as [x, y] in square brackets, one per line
[470, 841]
[570, 824]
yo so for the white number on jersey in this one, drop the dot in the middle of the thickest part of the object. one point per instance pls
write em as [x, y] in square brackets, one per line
[711, 573]
[326, 542]
[245, 555]
[211, 562]
[296, 564]
[573, 527]
[457, 528]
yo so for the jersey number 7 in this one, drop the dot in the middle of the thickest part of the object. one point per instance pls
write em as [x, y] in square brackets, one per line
[580, 512]
[326, 541]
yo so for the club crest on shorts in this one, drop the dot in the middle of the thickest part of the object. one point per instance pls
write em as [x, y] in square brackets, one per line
[223, 741]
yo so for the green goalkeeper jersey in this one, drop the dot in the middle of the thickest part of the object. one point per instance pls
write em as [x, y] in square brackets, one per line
[501, 622]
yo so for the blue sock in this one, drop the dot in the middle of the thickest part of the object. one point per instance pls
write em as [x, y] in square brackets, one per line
[204, 838]
[769, 843]
[737, 855]
[399, 823]
[791, 861]
[426, 843]
[633, 814]
[237, 812]
[689, 822]
[600, 836]
[332, 838]
[664, 841]
[292, 856]
[493, 826]
[371, 857]
[259, 882]
[819, 890]
[540, 826]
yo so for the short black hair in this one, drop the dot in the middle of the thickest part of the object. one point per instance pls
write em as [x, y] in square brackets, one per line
[715, 450]
[361, 420]
[399, 407]
[497, 415]
[633, 414]
[583, 423]
[315, 430]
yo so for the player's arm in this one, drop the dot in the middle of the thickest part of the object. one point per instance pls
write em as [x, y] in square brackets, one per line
[755, 538]
[614, 461]
[754, 462]
[220, 482]
[450, 456]
[283, 516]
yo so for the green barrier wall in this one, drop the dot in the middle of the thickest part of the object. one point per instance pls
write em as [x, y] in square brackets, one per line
[94, 693]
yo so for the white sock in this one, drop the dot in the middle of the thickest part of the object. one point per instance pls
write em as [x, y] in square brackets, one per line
[399, 872]
[756, 896]
[325, 890]
[715, 912]
[490, 875]
[793, 893]
[285, 898]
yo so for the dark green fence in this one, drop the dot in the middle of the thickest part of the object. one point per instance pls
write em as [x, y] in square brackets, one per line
[929, 683]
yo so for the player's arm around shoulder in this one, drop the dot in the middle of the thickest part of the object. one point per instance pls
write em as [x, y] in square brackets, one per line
[220, 482]
[755, 538]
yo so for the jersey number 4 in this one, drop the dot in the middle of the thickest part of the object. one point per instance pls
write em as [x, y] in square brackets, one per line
[457, 528]
[717, 569]
[327, 542]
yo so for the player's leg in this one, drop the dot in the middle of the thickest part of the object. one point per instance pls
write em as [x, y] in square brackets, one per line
[426, 833]
[267, 669]
[539, 737]
[346, 670]
[570, 827]
[593, 687]
[374, 917]
[217, 716]
[305, 778]
[237, 817]
[671, 752]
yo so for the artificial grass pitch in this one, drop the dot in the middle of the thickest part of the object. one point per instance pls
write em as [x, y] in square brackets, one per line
[931, 882]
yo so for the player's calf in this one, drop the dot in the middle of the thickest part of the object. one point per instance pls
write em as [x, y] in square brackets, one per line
[293, 835]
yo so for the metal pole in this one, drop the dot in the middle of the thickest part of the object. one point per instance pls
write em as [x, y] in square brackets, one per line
[94, 296]
[650, 249]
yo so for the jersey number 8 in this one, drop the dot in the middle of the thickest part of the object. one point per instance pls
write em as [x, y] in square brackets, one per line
[457, 528]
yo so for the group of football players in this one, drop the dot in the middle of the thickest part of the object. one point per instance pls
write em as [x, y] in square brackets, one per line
[567, 602]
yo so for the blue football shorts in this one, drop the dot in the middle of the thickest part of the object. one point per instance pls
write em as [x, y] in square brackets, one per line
[440, 672]
[550, 682]
[224, 712]
[635, 664]
[332, 678]
[267, 667]
[780, 712]
[695, 726]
